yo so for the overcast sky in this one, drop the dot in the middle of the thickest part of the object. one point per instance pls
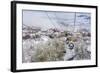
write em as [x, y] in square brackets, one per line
[60, 20]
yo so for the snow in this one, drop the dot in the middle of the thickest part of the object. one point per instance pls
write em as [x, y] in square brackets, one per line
[47, 22]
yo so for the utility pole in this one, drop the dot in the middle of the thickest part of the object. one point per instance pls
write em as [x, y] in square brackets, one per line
[74, 22]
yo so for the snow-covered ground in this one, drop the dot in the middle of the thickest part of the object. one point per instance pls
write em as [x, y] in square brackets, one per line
[55, 36]
[80, 50]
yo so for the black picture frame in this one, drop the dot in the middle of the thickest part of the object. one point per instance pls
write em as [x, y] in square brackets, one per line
[13, 35]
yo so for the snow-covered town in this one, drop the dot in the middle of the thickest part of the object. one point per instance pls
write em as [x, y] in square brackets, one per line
[61, 41]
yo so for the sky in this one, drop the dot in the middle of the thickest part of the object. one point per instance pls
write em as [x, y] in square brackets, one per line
[60, 20]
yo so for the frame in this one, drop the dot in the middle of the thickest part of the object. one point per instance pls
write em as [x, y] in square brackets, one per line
[49, 36]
